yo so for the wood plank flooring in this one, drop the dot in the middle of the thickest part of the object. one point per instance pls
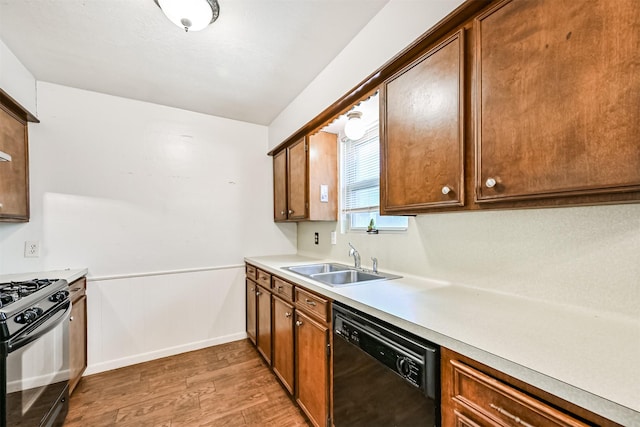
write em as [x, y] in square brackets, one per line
[225, 385]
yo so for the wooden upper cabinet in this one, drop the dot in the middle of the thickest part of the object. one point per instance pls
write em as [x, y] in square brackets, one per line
[14, 174]
[300, 173]
[280, 186]
[297, 180]
[558, 96]
[422, 122]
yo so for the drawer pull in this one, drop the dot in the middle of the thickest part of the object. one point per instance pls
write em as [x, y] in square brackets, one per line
[515, 419]
[312, 303]
[279, 289]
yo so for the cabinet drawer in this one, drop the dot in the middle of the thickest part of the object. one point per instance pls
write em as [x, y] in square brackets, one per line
[496, 401]
[263, 278]
[77, 289]
[251, 272]
[283, 289]
[312, 304]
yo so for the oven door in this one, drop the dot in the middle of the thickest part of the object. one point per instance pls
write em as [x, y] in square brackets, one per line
[36, 372]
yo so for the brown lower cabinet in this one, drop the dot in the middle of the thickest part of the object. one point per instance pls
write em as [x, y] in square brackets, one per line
[263, 303]
[291, 327]
[312, 368]
[283, 348]
[77, 332]
[476, 395]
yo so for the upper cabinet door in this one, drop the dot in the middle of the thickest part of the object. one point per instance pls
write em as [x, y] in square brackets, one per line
[14, 175]
[297, 181]
[280, 186]
[558, 97]
[422, 137]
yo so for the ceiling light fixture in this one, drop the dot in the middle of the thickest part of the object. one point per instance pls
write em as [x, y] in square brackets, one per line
[191, 15]
[354, 128]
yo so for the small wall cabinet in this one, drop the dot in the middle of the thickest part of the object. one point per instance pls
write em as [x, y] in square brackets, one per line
[422, 140]
[303, 173]
[14, 174]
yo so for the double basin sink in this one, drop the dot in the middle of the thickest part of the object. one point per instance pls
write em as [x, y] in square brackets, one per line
[333, 274]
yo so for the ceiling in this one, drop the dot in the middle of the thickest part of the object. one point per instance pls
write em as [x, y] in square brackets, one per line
[248, 65]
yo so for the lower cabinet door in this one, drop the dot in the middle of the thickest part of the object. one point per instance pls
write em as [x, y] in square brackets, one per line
[282, 332]
[77, 341]
[312, 368]
[251, 310]
[263, 300]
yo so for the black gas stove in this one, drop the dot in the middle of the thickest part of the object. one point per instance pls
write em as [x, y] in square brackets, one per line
[34, 352]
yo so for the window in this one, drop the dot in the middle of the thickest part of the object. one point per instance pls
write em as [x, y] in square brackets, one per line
[361, 184]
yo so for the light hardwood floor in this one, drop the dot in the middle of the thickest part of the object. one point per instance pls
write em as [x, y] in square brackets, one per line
[225, 385]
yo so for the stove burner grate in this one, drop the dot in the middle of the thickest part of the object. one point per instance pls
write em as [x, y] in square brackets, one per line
[12, 291]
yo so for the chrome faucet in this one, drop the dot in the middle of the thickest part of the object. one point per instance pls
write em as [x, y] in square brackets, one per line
[356, 256]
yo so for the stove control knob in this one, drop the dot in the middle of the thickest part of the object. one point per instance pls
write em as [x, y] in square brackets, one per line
[59, 296]
[404, 366]
[29, 315]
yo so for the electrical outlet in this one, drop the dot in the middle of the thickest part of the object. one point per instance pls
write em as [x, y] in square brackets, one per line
[31, 249]
[316, 238]
[334, 237]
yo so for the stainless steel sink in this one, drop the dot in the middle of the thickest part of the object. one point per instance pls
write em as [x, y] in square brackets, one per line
[339, 274]
[308, 270]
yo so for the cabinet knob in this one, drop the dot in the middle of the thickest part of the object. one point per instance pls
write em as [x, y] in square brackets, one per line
[258, 293]
[71, 319]
[287, 315]
[446, 190]
[490, 183]
[283, 213]
[0, 205]
[299, 323]
[290, 211]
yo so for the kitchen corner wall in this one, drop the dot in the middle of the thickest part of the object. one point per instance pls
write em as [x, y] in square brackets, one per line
[161, 205]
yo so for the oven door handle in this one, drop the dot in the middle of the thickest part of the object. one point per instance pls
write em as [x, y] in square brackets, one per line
[54, 318]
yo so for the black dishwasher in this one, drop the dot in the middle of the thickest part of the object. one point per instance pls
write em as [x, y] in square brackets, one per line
[382, 376]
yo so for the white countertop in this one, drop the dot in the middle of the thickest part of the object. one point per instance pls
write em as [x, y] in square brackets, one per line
[588, 358]
[68, 274]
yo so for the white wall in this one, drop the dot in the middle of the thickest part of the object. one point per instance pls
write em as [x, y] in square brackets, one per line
[16, 80]
[128, 188]
[587, 256]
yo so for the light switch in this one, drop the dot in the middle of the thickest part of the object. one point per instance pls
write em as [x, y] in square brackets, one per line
[324, 193]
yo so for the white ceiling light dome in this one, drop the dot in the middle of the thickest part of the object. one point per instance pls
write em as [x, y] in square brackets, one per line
[191, 15]
[354, 128]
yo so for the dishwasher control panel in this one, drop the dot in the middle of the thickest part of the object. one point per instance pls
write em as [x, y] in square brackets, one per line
[393, 355]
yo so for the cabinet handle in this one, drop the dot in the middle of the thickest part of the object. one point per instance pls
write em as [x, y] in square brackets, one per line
[490, 183]
[279, 289]
[287, 315]
[310, 302]
[446, 190]
[290, 211]
[515, 419]
[298, 322]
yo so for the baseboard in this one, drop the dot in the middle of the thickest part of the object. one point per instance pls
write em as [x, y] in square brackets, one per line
[157, 354]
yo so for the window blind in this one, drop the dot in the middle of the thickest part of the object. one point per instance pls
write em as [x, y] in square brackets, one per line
[362, 172]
